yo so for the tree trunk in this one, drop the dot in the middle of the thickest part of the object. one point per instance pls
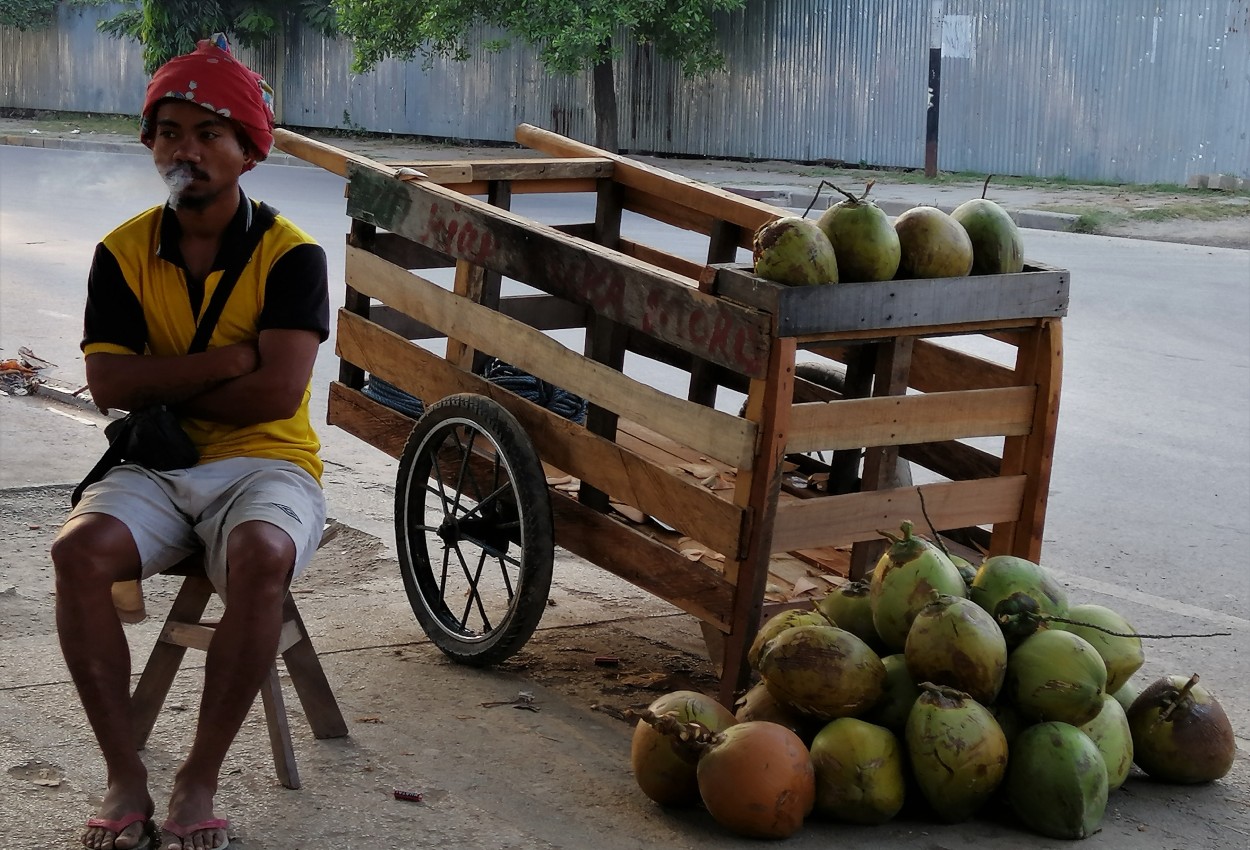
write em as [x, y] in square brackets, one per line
[604, 82]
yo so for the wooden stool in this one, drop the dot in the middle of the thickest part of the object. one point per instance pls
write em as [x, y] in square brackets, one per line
[185, 629]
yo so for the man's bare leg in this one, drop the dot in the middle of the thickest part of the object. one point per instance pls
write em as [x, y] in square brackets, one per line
[261, 558]
[90, 553]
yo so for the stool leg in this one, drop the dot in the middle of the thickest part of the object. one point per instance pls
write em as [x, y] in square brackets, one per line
[310, 681]
[158, 673]
[279, 730]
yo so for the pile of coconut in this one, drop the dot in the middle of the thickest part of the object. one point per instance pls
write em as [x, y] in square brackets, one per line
[964, 685]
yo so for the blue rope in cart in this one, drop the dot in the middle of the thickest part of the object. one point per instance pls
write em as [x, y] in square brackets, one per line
[528, 387]
[542, 393]
[393, 397]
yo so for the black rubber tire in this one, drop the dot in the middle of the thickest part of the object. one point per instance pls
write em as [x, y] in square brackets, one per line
[828, 374]
[481, 599]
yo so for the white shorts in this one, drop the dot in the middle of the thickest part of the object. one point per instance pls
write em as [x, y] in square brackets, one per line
[174, 514]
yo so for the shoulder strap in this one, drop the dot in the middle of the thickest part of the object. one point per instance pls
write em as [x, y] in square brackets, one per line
[261, 223]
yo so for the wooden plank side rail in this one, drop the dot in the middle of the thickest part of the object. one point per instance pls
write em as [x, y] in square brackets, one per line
[640, 296]
[615, 470]
[338, 161]
[855, 517]
[721, 435]
[907, 419]
[706, 204]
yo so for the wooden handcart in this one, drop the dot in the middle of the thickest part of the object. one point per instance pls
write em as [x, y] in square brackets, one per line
[729, 515]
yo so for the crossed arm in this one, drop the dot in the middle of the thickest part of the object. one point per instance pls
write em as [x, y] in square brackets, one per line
[240, 384]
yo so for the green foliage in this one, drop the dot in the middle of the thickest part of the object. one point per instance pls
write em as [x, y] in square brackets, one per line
[570, 35]
[26, 14]
[168, 28]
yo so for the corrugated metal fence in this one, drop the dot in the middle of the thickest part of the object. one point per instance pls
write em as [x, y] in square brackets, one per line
[1131, 90]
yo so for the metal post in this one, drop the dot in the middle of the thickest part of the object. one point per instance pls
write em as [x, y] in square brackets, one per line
[935, 90]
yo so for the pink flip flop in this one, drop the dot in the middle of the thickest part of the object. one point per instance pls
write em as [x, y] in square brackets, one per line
[183, 831]
[117, 826]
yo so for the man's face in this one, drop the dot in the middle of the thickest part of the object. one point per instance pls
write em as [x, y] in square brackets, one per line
[198, 153]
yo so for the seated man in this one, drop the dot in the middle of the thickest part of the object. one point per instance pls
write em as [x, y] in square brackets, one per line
[253, 503]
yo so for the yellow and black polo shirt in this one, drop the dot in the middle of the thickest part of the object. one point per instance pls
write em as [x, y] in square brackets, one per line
[141, 300]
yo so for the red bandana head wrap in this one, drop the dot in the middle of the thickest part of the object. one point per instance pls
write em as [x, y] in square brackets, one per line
[212, 78]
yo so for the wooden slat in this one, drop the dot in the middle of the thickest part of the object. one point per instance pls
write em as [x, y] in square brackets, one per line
[407, 254]
[938, 368]
[524, 168]
[897, 304]
[757, 492]
[550, 186]
[842, 520]
[190, 635]
[635, 294]
[1041, 363]
[952, 459]
[663, 259]
[642, 561]
[719, 434]
[622, 474]
[401, 323]
[979, 326]
[376, 424]
[901, 420]
[679, 191]
[337, 160]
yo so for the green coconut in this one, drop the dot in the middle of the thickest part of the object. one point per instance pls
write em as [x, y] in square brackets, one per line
[997, 247]
[1055, 675]
[954, 642]
[822, 671]
[931, 244]
[850, 607]
[1057, 782]
[664, 766]
[794, 251]
[1126, 694]
[758, 704]
[864, 240]
[1016, 592]
[958, 752]
[904, 581]
[898, 695]
[1122, 655]
[777, 624]
[1111, 735]
[1180, 732]
[859, 772]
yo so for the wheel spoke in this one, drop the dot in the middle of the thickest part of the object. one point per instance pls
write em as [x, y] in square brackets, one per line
[488, 501]
[466, 452]
[474, 593]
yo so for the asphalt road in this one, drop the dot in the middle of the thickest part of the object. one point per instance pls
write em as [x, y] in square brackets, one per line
[1150, 495]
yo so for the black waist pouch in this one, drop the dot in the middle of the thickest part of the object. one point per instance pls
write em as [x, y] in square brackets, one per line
[151, 437]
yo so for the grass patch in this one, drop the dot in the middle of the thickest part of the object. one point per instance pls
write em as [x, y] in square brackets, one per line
[1191, 210]
[86, 122]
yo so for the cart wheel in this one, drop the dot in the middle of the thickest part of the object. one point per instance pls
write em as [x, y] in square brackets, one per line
[473, 529]
[830, 375]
